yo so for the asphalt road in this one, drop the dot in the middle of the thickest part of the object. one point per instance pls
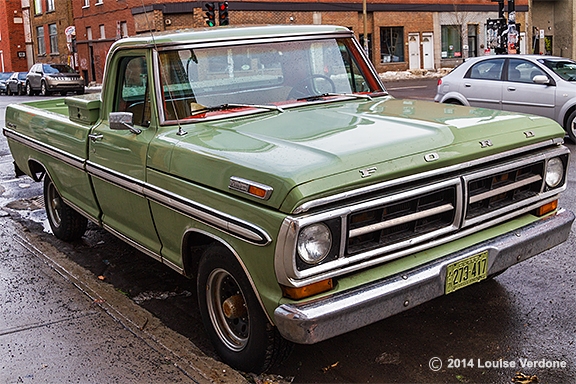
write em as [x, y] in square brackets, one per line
[520, 323]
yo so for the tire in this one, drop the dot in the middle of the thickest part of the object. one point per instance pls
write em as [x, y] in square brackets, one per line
[66, 223]
[244, 338]
[80, 92]
[29, 91]
[44, 89]
[570, 128]
[21, 92]
[8, 91]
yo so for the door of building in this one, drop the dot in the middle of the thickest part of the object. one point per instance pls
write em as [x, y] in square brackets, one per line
[414, 50]
[428, 50]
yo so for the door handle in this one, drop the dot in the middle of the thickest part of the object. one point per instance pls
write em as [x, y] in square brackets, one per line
[95, 137]
[511, 89]
[467, 85]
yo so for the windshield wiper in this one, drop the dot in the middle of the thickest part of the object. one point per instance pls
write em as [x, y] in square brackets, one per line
[328, 94]
[222, 107]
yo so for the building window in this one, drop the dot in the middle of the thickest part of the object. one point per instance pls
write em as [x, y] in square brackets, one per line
[124, 29]
[99, 2]
[102, 31]
[86, 4]
[37, 7]
[40, 38]
[391, 44]
[49, 5]
[88, 33]
[52, 30]
[451, 42]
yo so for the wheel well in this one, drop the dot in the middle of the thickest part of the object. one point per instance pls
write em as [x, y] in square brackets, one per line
[452, 101]
[193, 246]
[37, 170]
[567, 115]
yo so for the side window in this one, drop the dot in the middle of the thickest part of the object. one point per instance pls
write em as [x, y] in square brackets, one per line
[132, 89]
[486, 70]
[522, 71]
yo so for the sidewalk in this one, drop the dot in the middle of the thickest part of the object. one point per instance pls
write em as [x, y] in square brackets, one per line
[59, 324]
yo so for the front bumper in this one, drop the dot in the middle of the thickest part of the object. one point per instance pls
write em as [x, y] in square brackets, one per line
[311, 322]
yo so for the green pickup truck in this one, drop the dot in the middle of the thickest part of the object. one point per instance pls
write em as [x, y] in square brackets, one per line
[271, 165]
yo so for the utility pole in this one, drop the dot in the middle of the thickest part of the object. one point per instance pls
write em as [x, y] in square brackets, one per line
[365, 21]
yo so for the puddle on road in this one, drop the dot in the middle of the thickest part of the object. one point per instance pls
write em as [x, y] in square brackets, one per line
[31, 209]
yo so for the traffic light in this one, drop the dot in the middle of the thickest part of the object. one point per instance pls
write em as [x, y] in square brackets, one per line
[223, 13]
[210, 14]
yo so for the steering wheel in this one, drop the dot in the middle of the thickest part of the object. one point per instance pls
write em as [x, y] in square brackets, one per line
[308, 87]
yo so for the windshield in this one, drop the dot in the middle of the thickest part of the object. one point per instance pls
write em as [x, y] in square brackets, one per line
[565, 68]
[281, 73]
[5, 75]
[57, 68]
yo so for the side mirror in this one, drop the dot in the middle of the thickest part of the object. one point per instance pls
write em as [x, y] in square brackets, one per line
[541, 79]
[122, 121]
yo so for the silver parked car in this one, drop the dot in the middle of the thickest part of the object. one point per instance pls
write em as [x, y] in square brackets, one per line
[540, 85]
[49, 78]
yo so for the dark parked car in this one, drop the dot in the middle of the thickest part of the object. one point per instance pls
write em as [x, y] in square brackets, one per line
[49, 78]
[535, 84]
[3, 77]
[16, 84]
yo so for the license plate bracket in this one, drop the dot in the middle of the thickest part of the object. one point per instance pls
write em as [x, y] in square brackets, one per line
[466, 272]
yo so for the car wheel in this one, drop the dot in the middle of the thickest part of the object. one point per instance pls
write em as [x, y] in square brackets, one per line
[8, 91]
[29, 90]
[233, 317]
[80, 92]
[21, 91]
[570, 126]
[66, 223]
[44, 89]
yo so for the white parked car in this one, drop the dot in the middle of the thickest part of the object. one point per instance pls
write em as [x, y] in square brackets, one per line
[540, 85]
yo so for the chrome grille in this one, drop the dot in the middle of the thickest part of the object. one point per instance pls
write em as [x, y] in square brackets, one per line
[493, 192]
[394, 223]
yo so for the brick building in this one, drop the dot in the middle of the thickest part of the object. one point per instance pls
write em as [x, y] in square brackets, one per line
[12, 42]
[401, 34]
[50, 24]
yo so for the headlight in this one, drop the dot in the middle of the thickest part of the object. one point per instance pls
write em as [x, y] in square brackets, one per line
[314, 243]
[554, 172]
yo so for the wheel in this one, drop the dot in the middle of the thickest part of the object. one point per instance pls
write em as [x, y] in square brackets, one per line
[570, 128]
[66, 223]
[8, 91]
[233, 317]
[308, 87]
[29, 90]
[44, 89]
[21, 91]
[453, 102]
[80, 92]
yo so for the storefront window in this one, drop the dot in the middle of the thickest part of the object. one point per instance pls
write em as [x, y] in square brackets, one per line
[451, 42]
[391, 44]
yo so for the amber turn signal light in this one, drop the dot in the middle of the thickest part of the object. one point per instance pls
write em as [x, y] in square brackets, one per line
[547, 208]
[308, 290]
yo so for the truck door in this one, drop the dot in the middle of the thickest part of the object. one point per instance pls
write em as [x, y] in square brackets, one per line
[117, 158]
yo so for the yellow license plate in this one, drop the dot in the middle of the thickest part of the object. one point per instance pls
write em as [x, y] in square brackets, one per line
[465, 272]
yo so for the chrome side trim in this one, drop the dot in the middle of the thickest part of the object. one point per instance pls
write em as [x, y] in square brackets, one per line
[315, 320]
[209, 216]
[408, 179]
[72, 160]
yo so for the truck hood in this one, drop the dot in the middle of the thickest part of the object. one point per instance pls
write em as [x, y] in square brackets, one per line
[317, 150]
